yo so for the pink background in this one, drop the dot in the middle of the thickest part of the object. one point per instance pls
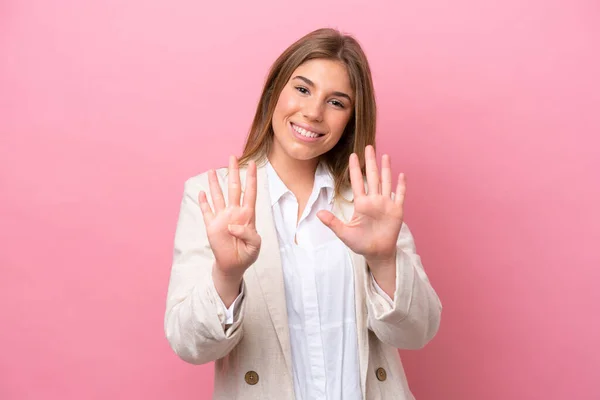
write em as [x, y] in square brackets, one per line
[490, 107]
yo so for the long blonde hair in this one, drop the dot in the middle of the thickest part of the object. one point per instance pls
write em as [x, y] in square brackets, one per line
[328, 44]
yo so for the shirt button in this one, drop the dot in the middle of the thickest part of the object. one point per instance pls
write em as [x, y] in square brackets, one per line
[251, 378]
[381, 374]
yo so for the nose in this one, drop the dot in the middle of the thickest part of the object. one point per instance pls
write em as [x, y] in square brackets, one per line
[313, 110]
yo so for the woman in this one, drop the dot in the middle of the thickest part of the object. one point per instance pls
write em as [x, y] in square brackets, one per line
[294, 273]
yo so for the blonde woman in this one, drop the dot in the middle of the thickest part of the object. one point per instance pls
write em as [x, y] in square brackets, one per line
[293, 268]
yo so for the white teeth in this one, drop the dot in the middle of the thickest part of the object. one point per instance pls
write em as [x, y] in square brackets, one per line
[304, 132]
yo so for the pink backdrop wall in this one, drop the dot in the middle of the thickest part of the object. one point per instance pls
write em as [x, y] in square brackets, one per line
[106, 107]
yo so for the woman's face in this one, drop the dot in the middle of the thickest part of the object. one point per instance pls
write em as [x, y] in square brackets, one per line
[312, 111]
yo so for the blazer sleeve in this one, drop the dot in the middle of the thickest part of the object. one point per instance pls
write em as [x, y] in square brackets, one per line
[195, 320]
[413, 317]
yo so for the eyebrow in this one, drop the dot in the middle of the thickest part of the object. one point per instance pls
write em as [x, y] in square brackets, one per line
[311, 83]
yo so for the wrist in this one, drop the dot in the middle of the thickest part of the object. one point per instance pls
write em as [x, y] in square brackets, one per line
[226, 276]
[384, 273]
[228, 286]
[383, 264]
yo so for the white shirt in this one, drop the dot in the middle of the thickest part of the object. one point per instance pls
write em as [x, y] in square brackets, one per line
[319, 288]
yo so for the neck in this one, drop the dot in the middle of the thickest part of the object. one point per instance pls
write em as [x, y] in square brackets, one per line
[297, 175]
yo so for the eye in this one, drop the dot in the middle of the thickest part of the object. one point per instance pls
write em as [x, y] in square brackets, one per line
[302, 89]
[337, 103]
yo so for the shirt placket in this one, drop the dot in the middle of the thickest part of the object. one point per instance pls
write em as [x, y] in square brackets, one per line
[312, 324]
[314, 342]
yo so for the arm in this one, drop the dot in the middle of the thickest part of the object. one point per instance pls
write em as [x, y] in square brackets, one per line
[377, 232]
[413, 318]
[195, 318]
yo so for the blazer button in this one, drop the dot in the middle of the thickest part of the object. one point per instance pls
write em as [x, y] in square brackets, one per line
[251, 378]
[381, 374]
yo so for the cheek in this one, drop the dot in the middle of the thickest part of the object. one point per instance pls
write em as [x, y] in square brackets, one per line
[340, 123]
[285, 104]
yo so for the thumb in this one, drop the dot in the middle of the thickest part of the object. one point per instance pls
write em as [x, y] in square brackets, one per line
[245, 234]
[332, 222]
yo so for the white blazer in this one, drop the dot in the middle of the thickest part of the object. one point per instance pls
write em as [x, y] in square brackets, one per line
[253, 355]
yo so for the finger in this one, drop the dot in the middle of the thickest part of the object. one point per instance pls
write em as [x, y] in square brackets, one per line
[216, 193]
[332, 222]
[372, 172]
[356, 176]
[234, 182]
[207, 212]
[400, 189]
[250, 191]
[386, 176]
[245, 234]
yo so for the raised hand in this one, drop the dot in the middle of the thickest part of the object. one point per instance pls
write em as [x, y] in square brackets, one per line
[231, 227]
[373, 229]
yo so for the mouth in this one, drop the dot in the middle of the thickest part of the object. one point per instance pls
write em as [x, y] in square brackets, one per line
[305, 133]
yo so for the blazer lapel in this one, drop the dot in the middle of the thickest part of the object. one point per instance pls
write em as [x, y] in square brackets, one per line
[343, 209]
[268, 268]
[269, 273]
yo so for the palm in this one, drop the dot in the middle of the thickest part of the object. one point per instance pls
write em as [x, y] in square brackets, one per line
[374, 227]
[229, 250]
[378, 213]
[231, 228]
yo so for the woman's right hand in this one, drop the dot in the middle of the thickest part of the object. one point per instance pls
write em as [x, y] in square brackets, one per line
[231, 227]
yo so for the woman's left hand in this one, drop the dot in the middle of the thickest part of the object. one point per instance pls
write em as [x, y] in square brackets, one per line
[374, 228]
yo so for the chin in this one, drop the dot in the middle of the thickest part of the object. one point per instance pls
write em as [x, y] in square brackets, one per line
[303, 155]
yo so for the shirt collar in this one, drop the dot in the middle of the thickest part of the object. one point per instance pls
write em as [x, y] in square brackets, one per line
[323, 179]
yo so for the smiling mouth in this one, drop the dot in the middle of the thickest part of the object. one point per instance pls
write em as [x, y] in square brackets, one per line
[306, 132]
